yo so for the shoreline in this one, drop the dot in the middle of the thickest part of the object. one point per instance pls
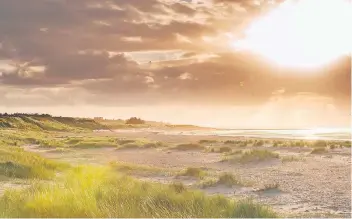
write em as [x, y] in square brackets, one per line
[265, 134]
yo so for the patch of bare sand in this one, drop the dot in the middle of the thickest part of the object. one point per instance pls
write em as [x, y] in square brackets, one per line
[322, 184]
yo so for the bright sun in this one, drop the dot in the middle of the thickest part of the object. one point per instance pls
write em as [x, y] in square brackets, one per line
[303, 33]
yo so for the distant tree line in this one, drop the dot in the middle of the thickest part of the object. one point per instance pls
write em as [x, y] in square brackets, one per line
[135, 121]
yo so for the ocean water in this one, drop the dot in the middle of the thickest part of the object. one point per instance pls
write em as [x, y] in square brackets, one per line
[307, 134]
[342, 134]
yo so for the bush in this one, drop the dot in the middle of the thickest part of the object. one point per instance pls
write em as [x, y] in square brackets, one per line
[135, 121]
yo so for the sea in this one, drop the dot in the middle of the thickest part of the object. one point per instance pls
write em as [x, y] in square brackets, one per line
[335, 134]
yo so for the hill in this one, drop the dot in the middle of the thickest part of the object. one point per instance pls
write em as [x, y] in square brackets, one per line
[47, 122]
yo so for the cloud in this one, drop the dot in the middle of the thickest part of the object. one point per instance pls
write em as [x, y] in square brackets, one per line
[135, 52]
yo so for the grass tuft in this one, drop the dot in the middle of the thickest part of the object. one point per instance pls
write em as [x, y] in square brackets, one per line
[190, 146]
[258, 155]
[96, 192]
[193, 172]
[225, 149]
[318, 151]
[17, 163]
[207, 141]
[227, 179]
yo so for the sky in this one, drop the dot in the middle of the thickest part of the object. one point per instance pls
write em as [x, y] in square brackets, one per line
[220, 63]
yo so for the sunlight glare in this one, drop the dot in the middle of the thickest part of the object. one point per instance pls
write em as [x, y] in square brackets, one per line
[304, 33]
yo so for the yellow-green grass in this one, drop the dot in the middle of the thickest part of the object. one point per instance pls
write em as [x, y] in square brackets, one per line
[188, 147]
[253, 155]
[96, 192]
[221, 149]
[227, 179]
[193, 172]
[138, 143]
[258, 155]
[48, 123]
[239, 143]
[130, 168]
[15, 162]
[319, 150]
[207, 141]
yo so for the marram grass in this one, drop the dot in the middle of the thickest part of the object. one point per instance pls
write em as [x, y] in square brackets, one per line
[98, 192]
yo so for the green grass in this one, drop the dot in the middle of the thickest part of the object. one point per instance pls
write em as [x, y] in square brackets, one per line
[130, 168]
[258, 155]
[227, 179]
[253, 155]
[17, 163]
[138, 143]
[320, 143]
[48, 123]
[189, 146]
[239, 143]
[193, 172]
[346, 144]
[258, 143]
[319, 151]
[222, 149]
[225, 149]
[207, 141]
[96, 192]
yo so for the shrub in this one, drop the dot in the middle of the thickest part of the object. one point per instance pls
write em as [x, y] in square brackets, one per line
[135, 121]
